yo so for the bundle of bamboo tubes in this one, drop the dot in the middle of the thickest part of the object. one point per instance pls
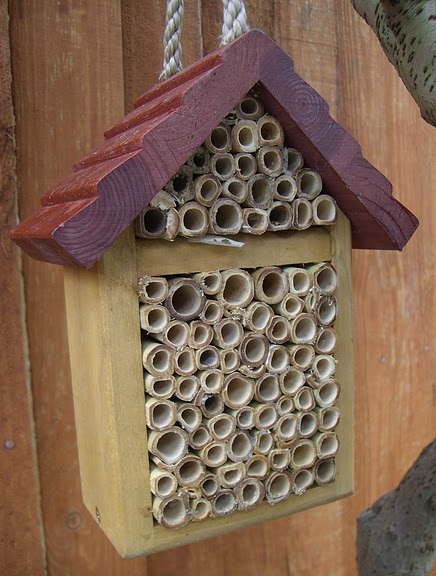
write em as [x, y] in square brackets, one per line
[240, 388]
[244, 178]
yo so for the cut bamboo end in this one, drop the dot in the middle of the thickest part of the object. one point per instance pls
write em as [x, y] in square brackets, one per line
[189, 416]
[228, 334]
[299, 280]
[269, 160]
[327, 393]
[210, 282]
[244, 136]
[304, 399]
[257, 467]
[303, 329]
[263, 442]
[214, 454]
[260, 192]
[245, 165]
[181, 186]
[160, 414]
[194, 220]
[303, 214]
[267, 389]
[326, 444]
[212, 380]
[291, 381]
[325, 210]
[279, 331]
[270, 131]
[209, 486]
[209, 404]
[162, 483]
[224, 503]
[285, 189]
[278, 359]
[240, 446]
[207, 188]
[254, 221]
[293, 160]
[254, 349]
[280, 216]
[222, 427]
[238, 390]
[302, 356]
[277, 487]
[250, 492]
[176, 334]
[161, 388]
[153, 318]
[324, 277]
[279, 459]
[200, 335]
[326, 340]
[236, 189]
[309, 184]
[163, 200]
[200, 437]
[200, 161]
[289, 307]
[326, 310]
[158, 359]
[252, 372]
[225, 217]
[185, 300]
[328, 417]
[308, 423]
[189, 470]
[230, 475]
[186, 387]
[258, 316]
[265, 416]
[172, 512]
[301, 481]
[323, 367]
[212, 312]
[201, 509]
[303, 454]
[229, 361]
[325, 471]
[284, 405]
[249, 108]
[237, 290]
[151, 223]
[286, 429]
[219, 139]
[207, 357]
[169, 445]
[222, 165]
[244, 417]
[185, 362]
[152, 290]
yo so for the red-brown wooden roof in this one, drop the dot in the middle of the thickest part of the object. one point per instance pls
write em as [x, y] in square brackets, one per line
[84, 214]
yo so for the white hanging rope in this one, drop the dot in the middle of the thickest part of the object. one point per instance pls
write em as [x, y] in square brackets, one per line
[234, 20]
[172, 45]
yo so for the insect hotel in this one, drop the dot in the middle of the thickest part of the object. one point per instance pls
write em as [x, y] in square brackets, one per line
[207, 252]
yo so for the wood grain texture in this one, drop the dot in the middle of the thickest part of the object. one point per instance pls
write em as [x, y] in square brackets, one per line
[21, 535]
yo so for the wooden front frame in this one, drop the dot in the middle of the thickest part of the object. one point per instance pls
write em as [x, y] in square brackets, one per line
[106, 364]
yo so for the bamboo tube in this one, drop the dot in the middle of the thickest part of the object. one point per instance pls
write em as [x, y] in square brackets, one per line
[245, 165]
[267, 389]
[219, 139]
[212, 312]
[189, 416]
[160, 464]
[213, 454]
[299, 280]
[280, 216]
[184, 362]
[222, 165]
[328, 417]
[252, 372]
[303, 214]
[235, 189]
[186, 387]
[269, 160]
[325, 210]
[309, 184]
[263, 442]
[209, 404]
[151, 223]
[237, 289]
[254, 221]
[168, 445]
[224, 503]
[245, 136]
[326, 340]
[172, 512]
[207, 357]
[278, 359]
[230, 475]
[279, 459]
[244, 417]
[326, 310]
[253, 349]
[303, 329]
[189, 470]
[326, 444]
[185, 300]
[160, 414]
[229, 361]
[152, 289]
[153, 318]
[301, 480]
[200, 335]
[240, 446]
[225, 217]
[284, 189]
[284, 405]
[324, 278]
[289, 307]
[260, 192]
[211, 380]
[181, 185]
[228, 334]
[286, 429]
[277, 487]
[176, 334]
[200, 437]
[325, 471]
[207, 188]
[163, 200]
[292, 160]
[238, 390]
[308, 423]
[258, 316]
[161, 388]
[303, 454]
[210, 282]
[249, 108]
[327, 393]
[257, 467]
[194, 220]
[265, 415]
[162, 483]
[323, 367]
[157, 359]
[304, 399]
[278, 331]
[209, 486]
[302, 356]
[222, 427]
[199, 162]
[250, 492]
[270, 284]
[270, 131]
[201, 509]
[291, 381]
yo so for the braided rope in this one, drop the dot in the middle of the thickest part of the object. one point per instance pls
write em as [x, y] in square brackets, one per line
[172, 45]
[234, 20]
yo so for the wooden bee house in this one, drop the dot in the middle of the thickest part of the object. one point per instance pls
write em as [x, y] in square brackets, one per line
[211, 352]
